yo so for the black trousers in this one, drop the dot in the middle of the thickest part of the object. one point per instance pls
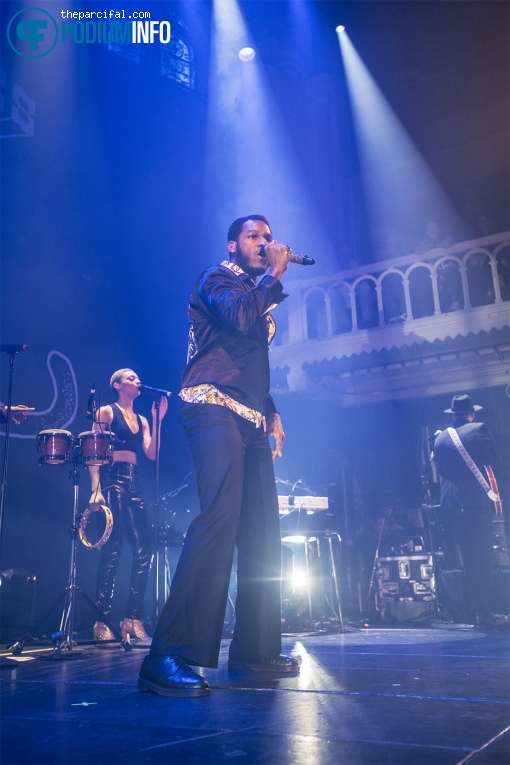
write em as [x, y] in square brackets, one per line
[239, 506]
[472, 531]
[122, 495]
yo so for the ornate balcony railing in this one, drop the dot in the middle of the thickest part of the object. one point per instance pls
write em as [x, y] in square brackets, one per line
[422, 298]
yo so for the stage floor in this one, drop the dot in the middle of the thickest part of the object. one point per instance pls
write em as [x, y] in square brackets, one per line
[435, 695]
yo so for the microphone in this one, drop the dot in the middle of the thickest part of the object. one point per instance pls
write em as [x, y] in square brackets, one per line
[91, 402]
[301, 260]
[13, 348]
[156, 391]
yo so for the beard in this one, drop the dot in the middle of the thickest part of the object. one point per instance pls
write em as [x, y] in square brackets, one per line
[252, 263]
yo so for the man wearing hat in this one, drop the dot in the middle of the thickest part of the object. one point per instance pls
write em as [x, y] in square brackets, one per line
[468, 510]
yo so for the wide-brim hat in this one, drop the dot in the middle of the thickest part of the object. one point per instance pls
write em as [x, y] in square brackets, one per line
[462, 404]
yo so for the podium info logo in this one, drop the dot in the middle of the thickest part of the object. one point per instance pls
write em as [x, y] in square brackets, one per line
[32, 33]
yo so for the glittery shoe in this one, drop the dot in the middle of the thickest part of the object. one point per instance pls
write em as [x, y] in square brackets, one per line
[133, 631]
[103, 633]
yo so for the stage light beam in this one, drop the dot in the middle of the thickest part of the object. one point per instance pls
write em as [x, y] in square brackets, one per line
[245, 130]
[401, 189]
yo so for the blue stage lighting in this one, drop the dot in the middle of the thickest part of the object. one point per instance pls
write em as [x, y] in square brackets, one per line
[246, 54]
[340, 28]
[399, 186]
[245, 130]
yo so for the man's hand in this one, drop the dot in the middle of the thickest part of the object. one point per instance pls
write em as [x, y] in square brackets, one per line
[275, 429]
[21, 413]
[278, 258]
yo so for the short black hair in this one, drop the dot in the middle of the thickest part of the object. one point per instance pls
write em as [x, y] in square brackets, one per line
[236, 227]
[118, 375]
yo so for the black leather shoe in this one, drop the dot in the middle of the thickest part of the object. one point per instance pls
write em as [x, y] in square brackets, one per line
[281, 665]
[494, 622]
[170, 676]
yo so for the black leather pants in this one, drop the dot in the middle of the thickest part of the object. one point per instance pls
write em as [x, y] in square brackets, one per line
[122, 495]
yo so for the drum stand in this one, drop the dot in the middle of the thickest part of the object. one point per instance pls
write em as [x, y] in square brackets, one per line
[63, 638]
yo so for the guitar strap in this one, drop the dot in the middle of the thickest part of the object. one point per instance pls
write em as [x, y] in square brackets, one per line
[471, 464]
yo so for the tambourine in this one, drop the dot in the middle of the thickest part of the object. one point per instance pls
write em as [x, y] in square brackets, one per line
[108, 526]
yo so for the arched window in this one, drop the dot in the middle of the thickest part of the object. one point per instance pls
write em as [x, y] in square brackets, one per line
[479, 279]
[449, 285]
[420, 291]
[366, 304]
[393, 299]
[316, 317]
[503, 263]
[341, 313]
[177, 58]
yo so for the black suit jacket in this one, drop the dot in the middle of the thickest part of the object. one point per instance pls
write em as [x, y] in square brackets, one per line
[459, 487]
[230, 329]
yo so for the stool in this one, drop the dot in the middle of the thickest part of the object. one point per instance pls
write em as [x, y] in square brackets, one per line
[313, 569]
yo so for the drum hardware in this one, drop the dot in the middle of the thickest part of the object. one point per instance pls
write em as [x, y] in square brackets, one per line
[63, 638]
[92, 447]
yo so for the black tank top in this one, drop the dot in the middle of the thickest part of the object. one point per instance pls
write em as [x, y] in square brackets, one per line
[128, 441]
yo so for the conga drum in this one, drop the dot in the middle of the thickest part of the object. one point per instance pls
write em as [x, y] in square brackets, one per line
[96, 447]
[55, 447]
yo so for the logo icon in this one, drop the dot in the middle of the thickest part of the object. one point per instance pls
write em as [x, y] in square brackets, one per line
[32, 33]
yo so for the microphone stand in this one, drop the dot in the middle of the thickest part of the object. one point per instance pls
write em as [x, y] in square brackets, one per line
[12, 355]
[4, 660]
[93, 411]
[156, 520]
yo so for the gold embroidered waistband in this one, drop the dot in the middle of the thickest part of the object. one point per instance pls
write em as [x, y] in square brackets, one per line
[206, 393]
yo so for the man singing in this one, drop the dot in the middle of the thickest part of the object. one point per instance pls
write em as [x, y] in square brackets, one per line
[228, 416]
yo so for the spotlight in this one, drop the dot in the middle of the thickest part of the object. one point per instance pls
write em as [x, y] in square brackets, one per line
[340, 28]
[246, 54]
[299, 581]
